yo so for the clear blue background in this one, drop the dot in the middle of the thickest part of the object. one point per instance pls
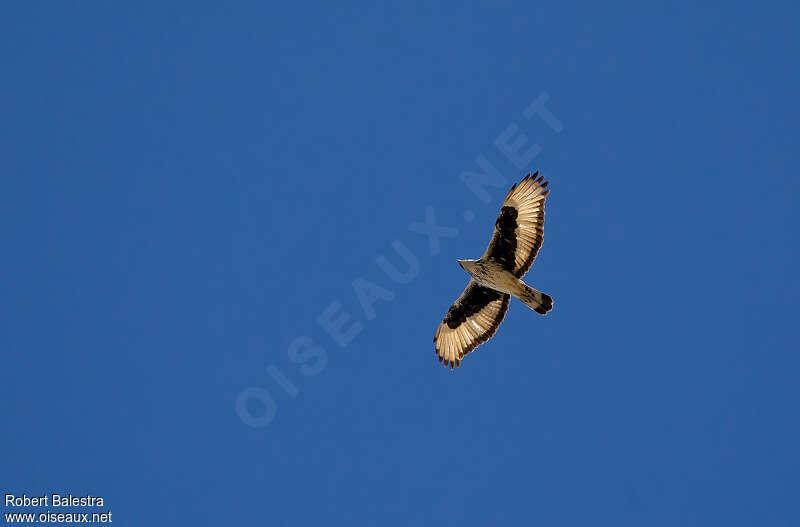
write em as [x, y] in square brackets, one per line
[186, 188]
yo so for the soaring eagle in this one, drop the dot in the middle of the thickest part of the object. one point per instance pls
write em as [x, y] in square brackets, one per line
[478, 312]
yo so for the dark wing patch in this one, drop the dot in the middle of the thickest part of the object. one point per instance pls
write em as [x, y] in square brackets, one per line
[474, 299]
[518, 231]
[503, 246]
[470, 321]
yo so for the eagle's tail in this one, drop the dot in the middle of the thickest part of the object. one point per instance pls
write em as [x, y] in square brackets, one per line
[536, 300]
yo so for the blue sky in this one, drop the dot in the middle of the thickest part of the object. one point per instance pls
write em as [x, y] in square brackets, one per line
[187, 189]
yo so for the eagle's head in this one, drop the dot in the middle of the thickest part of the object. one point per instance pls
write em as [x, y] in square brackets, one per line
[467, 265]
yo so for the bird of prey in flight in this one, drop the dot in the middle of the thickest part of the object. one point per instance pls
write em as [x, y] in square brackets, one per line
[476, 315]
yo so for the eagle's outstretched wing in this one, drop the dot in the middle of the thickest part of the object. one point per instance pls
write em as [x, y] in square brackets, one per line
[519, 227]
[470, 321]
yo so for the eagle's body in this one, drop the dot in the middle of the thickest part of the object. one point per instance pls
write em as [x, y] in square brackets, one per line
[478, 312]
[491, 274]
